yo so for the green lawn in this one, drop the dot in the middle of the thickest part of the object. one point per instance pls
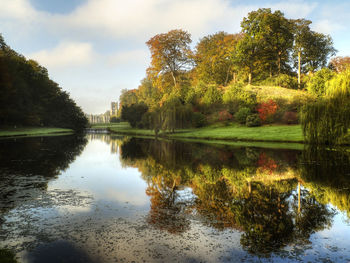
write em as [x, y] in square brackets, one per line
[125, 128]
[120, 125]
[276, 133]
[273, 133]
[32, 131]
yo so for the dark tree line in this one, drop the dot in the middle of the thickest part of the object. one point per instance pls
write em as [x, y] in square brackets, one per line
[30, 98]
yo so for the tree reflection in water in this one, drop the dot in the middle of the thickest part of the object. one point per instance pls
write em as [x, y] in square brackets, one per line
[27, 165]
[275, 197]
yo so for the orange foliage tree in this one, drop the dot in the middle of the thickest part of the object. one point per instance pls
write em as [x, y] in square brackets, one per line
[340, 64]
[170, 54]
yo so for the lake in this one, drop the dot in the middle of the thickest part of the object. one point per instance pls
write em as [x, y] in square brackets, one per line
[104, 198]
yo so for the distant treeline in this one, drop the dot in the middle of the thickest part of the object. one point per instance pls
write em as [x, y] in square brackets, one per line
[30, 98]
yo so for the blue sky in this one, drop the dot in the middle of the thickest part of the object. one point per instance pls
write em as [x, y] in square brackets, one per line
[95, 48]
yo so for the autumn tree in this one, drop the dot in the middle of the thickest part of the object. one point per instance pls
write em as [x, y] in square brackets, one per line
[340, 64]
[128, 97]
[148, 93]
[213, 57]
[170, 54]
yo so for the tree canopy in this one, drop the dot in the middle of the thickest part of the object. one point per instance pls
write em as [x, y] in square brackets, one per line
[170, 53]
[30, 97]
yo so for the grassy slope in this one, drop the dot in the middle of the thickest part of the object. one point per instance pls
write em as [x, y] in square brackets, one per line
[264, 93]
[32, 131]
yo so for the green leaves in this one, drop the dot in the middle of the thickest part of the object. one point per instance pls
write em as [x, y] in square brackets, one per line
[30, 97]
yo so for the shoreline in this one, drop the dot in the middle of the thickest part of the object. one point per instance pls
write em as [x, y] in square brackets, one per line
[33, 132]
[231, 133]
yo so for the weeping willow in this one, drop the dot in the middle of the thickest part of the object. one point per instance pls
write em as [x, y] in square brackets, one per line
[327, 120]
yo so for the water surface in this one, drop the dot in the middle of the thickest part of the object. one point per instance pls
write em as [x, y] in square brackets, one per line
[117, 199]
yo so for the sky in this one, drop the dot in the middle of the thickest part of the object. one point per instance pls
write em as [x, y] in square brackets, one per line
[95, 48]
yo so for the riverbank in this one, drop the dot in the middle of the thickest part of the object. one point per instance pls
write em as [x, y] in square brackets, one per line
[32, 131]
[234, 132]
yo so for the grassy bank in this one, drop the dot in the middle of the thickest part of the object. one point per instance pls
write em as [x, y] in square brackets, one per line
[32, 131]
[275, 133]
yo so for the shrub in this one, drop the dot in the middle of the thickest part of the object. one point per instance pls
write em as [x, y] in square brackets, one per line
[114, 119]
[282, 80]
[212, 95]
[241, 115]
[286, 81]
[253, 120]
[237, 96]
[266, 110]
[290, 117]
[198, 119]
[317, 83]
[225, 116]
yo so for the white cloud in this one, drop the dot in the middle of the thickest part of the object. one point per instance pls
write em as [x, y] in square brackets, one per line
[296, 9]
[326, 26]
[17, 9]
[65, 54]
[141, 19]
[129, 57]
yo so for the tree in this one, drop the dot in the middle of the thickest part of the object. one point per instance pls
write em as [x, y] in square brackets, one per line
[272, 32]
[148, 94]
[327, 120]
[340, 64]
[170, 53]
[133, 113]
[302, 36]
[30, 97]
[311, 50]
[317, 83]
[247, 55]
[213, 57]
[318, 51]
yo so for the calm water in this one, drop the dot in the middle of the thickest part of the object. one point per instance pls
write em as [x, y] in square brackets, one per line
[119, 199]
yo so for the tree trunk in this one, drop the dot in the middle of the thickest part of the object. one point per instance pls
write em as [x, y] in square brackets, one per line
[227, 74]
[299, 68]
[279, 63]
[299, 198]
[250, 78]
[174, 79]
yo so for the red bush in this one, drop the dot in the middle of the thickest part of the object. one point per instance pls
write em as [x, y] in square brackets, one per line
[267, 110]
[225, 116]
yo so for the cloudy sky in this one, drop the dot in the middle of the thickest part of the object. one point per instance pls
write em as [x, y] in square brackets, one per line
[96, 48]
